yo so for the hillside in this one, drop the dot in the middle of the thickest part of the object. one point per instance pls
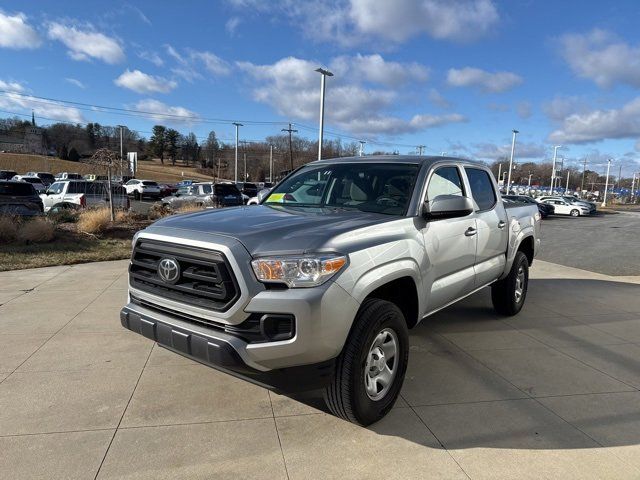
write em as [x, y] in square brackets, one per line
[152, 170]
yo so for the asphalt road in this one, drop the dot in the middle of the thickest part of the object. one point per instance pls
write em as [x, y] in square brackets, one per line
[608, 244]
[141, 206]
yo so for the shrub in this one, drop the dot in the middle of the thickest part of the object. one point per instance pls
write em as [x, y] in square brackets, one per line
[64, 215]
[8, 228]
[157, 211]
[36, 230]
[95, 220]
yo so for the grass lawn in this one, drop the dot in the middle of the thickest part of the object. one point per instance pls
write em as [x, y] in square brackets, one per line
[63, 251]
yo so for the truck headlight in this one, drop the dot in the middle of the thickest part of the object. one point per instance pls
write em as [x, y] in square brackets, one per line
[298, 271]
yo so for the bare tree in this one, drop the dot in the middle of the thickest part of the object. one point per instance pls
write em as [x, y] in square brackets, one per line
[103, 157]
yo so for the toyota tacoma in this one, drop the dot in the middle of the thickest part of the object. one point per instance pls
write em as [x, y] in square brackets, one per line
[318, 285]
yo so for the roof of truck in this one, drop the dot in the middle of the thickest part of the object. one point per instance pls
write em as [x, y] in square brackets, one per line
[415, 159]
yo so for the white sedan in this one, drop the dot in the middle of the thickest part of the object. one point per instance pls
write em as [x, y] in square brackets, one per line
[562, 207]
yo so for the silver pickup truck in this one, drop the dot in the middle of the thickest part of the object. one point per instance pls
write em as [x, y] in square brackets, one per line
[318, 285]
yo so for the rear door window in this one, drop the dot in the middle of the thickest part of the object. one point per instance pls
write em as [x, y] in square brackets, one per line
[481, 188]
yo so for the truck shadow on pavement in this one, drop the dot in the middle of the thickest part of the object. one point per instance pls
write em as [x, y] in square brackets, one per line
[563, 374]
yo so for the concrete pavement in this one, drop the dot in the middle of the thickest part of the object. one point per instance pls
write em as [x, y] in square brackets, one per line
[550, 393]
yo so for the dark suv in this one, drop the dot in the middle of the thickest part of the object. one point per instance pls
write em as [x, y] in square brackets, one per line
[7, 174]
[19, 198]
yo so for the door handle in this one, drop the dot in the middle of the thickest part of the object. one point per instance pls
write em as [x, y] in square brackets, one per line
[470, 232]
[501, 224]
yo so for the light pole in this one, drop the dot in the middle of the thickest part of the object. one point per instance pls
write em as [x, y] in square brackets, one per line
[270, 163]
[443, 154]
[121, 159]
[499, 170]
[633, 185]
[324, 73]
[420, 148]
[362, 142]
[530, 180]
[513, 149]
[553, 168]
[606, 183]
[235, 174]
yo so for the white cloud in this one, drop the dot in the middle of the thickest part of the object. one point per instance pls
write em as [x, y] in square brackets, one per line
[488, 82]
[144, 83]
[232, 25]
[11, 86]
[524, 109]
[85, 43]
[15, 32]
[290, 86]
[17, 101]
[375, 69]
[151, 57]
[190, 62]
[437, 99]
[162, 112]
[524, 150]
[76, 82]
[601, 57]
[561, 107]
[596, 125]
[356, 22]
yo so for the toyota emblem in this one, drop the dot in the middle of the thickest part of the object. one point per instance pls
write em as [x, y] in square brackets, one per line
[168, 270]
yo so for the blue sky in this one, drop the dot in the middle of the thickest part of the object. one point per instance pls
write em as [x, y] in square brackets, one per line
[456, 76]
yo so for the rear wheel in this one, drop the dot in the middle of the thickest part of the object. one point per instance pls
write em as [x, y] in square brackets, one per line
[136, 195]
[371, 368]
[575, 213]
[508, 295]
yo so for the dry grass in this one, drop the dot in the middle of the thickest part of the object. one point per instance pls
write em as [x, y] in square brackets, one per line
[188, 209]
[36, 230]
[94, 221]
[8, 229]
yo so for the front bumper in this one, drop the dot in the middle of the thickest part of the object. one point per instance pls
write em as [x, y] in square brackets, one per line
[222, 352]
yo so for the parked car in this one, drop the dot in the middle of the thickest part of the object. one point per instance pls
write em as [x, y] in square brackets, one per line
[142, 188]
[563, 207]
[167, 189]
[92, 177]
[205, 194]
[74, 194]
[249, 189]
[46, 178]
[185, 183]
[68, 176]
[296, 295]
[578, 201]
[7, 174]
[19, 198]
[35, 181]
[259, 197]
[545, 209]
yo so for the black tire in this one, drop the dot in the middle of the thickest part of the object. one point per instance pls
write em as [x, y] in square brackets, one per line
[346, 396]
[575, 213]
[136, 195]
[503, 293]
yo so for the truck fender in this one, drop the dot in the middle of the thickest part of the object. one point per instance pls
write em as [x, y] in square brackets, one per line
[519, 234]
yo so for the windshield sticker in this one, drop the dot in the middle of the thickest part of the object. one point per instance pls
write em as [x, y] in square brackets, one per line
[276, 198]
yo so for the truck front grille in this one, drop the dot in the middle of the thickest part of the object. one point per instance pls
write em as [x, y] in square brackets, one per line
[205, 278]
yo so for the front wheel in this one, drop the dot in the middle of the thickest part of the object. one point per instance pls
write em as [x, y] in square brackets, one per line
[508, 295]
[575, 213]
[370, 370]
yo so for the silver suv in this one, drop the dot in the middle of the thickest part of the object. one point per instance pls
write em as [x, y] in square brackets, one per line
[319, 284]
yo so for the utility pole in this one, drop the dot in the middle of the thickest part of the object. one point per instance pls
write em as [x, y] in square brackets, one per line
[619, 178]
[513, 149]
[567, 187]
[633, 184]
[325, 74]
[235, 175]
[442, 154]
[362, 142]
[530, 179]
[290, 130]
[121, 159]
[584, 169]
[553, 169]
[499, 170]
[420, 148]
[270, 163]
[606, 184]
[244, 154]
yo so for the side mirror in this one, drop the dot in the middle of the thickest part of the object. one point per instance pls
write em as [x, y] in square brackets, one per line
[447, 206]
[263, 193]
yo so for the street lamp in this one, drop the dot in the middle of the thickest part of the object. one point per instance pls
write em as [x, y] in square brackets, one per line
[235, 175]
[513, 149]
[324, 73]
[553, 169]
[606, 183]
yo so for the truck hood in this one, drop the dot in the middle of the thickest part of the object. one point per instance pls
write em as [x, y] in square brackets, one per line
[271, 230]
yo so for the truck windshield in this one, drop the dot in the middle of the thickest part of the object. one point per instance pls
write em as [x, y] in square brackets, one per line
[369, 187]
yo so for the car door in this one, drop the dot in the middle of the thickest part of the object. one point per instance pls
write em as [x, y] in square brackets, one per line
[450, 244]
[53, 196]
[492, 231]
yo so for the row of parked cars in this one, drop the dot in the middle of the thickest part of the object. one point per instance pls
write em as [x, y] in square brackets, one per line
[556, 205]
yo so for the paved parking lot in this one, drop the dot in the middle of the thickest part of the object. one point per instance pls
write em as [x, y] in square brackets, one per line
[603, 243]
[551, 393]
